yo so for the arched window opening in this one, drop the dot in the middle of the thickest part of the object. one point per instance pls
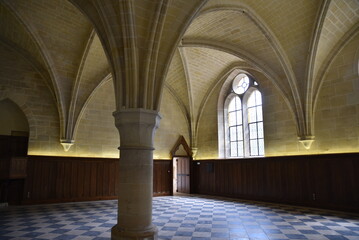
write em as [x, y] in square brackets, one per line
[255, 124]
[235, 125]
[243, 119]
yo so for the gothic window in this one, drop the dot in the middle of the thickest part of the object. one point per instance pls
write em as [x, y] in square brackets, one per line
[255, 124]
[235, 125]
[243, 119]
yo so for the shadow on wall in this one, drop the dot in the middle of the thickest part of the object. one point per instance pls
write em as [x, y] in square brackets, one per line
[12, 118]
[14, 131]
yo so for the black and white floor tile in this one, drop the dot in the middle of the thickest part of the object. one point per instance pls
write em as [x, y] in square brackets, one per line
[180, 218]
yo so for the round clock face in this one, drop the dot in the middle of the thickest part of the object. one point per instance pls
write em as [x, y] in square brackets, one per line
[240, 83]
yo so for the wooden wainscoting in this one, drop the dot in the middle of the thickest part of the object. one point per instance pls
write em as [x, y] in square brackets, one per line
[68, 179]
[325, 181]
[162, 177]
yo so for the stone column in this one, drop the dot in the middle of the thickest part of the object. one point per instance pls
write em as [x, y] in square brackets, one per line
[136, 128]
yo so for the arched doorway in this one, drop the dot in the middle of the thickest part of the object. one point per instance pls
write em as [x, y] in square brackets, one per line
[181, 162]
[14, 135]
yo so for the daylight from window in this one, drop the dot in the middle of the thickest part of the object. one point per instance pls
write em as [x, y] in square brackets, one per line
[245, 118]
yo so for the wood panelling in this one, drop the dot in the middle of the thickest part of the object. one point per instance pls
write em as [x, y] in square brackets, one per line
[65, 179]
[13, 161]
[326, 181]
[13, 153]
[162, 177]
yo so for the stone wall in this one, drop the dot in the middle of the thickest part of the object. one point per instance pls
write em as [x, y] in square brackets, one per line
[336, 114]
[96, 134]
[337, 109]
[23, 85]
[172, 125]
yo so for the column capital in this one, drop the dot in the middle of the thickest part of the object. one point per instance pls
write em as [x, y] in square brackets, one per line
[136, 127]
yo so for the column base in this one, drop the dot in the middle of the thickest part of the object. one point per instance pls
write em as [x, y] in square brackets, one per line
[120, 234]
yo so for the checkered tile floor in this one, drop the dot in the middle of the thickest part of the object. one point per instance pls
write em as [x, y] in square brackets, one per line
[181, 218]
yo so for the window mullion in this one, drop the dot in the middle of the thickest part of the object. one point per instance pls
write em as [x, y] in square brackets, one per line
[243, 135]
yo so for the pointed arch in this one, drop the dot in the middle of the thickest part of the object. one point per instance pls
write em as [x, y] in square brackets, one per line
[240, 120]
[13, 117]
[181, 141]
[52, 80]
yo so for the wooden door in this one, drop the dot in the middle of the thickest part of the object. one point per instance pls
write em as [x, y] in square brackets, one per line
[183, 174]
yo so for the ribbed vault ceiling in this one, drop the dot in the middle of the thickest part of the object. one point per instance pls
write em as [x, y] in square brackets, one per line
[288, 41]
